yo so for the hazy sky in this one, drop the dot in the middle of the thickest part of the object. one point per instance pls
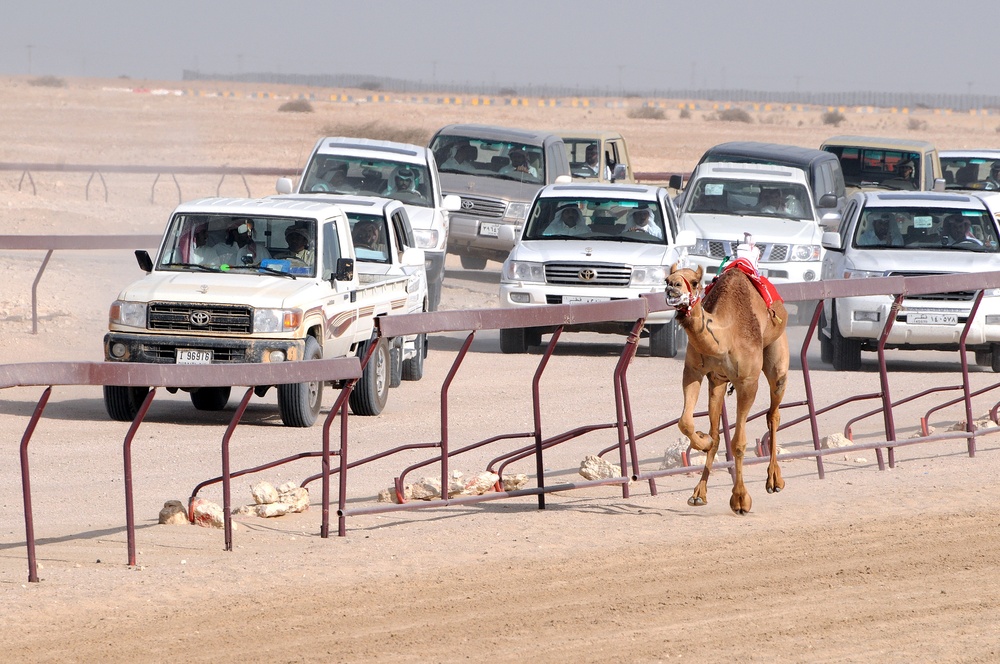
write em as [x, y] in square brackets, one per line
[810, 45]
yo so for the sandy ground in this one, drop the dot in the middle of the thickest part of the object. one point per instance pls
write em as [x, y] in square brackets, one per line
[896, 565]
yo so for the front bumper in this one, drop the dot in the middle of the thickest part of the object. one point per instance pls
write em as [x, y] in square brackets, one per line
[469, 232]
[543, 294]
[162, 349]
[918, 323]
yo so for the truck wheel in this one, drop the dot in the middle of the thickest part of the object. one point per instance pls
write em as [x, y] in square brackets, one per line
[995, 358]
[413, 368]
[434, 294]
[299, 403]
[473, 262]
[210, 398]
[396, 363]
[663, 339]
[513, 341]
[372, 390]
[825, 344]
[846, 352]
[984, 358]
[122, 403]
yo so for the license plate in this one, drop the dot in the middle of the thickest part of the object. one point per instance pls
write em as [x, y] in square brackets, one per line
[487, 228]
[191, 356]
[579, 299]
[932, 319]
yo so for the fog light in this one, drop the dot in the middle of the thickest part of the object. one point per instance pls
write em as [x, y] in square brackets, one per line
[118, 349]
[993, 320]
[276, 356]
[809, 276]
[867, 316]
[520, 298]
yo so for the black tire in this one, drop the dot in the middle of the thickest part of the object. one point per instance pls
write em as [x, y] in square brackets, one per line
[434, 294]
[825, 344]
[513, 341]
[846, 352]
[995, 359]
[210, 398]
[984, 358]
[413, 368]
[473, 262]
[300, 403]
[371, 392]
[663, 339]
[123, 403]
[396, 363]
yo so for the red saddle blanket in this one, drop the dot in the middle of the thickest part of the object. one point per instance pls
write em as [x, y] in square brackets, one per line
[763, 285]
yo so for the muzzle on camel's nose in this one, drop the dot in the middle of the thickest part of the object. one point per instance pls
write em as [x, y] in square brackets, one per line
[677, 298]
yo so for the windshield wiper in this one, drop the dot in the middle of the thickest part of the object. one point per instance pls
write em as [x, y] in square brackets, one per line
[271, 270]
[197, 266]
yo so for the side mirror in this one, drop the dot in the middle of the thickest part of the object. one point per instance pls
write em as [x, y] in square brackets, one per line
[827, 201]
[507, 234]
[830, 221]
[619, 172]
[564, 179]
[145, 262]
[412, 256]
[831, 240]
[676, 181]
[345, 270]
[452, 202]
[283, 186]
[686, 238]
[939, 184]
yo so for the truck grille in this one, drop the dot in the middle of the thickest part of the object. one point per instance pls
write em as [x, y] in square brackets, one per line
[768, 253]
[587, 274]
[957, 296]
[167, 353]
[482, 207]
[182, 316]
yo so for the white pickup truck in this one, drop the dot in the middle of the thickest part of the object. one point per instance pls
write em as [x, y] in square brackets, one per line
[594, 243]
[401, 171]
[254, 280]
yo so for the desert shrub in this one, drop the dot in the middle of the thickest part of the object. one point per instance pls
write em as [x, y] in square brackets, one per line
[48, 82]
[833, 118]
[370, 85]
[646, 113]
[916, 124]
[685, 114]
[296, 106]
[380, 131]
[507, 92]
[734, 115]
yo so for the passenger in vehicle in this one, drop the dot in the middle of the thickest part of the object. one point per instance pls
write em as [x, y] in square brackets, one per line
[519, 164]
[994, 178]
[366, 235]
[958, 230]
[298, 241]
[568, 221]
[641, 221]
[463, 159]
[769, 201]
[202, 253]
[337, 177]
[241, 247]
[371, 180]
[882, 231]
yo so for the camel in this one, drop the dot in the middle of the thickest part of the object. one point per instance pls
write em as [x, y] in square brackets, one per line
[732, 337]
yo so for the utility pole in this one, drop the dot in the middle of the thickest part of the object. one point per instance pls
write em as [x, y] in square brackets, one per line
[30, 46]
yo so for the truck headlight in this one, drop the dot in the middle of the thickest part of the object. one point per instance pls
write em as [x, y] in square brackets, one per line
[426, 238]
[649, 275]
[132, 314]
[805, 252]
[861, 274]
[516, 212]
[524, 271]
[276, 320]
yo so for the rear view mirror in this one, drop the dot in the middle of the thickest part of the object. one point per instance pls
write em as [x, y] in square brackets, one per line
[145, 262]
[686, 238]
[283, 186]
[832, 241]
[564, 179]
[507, 234]
[676, 181]
[345, 269]
[620, 172]
[939, 184]
[452, 202]
[412, 256]
[827, 201]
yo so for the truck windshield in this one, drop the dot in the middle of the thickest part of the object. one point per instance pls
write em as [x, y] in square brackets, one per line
[240, 243]
[751, 197]
[893, 169]
[406, 182]
[614, 220]
[924, 228]
[493, 159]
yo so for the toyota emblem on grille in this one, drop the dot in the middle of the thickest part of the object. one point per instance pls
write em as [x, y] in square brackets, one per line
[468, 205]
[587, 274]
[200, 318]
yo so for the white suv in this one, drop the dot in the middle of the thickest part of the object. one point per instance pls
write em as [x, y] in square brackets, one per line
[912, 234]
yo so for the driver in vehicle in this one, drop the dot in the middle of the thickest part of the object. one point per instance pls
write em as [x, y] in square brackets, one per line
[404, 186]
[958, 230]
[641, 221]
[298, 242]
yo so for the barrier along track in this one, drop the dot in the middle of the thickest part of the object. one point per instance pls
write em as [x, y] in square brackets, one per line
[534, 443]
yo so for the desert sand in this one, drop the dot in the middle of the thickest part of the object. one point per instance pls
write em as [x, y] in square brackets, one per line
[895, 566]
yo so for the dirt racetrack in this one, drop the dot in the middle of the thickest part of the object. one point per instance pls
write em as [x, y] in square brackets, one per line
[892, 566]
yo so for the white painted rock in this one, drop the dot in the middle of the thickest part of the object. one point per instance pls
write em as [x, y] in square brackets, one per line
[596, 468]
[208, 514]
[270, 510]
[264, 493]
[295, 496]
[481, 483]
[515, 482]
[835, 440]
[173, 513]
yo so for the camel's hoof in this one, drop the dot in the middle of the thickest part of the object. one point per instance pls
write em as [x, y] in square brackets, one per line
[773, 489]
[696, 501]
[740, 506]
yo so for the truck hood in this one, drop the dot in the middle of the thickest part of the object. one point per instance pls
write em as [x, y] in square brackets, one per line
[589, 251]
[763, 229]
[913, 262]
[253, 290]
[477, 185]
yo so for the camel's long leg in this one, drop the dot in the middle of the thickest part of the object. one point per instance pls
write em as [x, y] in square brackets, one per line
[690, 386]
[746, 393]
[716, 402]
[776, 371]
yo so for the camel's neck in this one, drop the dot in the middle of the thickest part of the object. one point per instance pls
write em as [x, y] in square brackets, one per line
[700, 328]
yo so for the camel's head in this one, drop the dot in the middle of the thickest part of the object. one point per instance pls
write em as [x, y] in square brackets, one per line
[684, 288]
